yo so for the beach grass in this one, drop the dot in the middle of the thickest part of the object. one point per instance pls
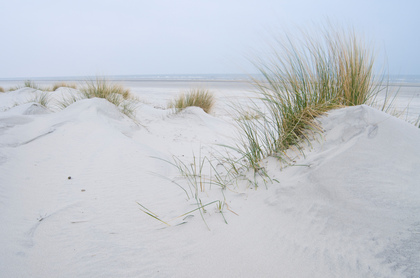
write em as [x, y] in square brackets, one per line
[63, 84]
[197, 180]
[17, 87]
[69, 100]
[1, 89]
[33, 85]
[14, 88]
[417, 122]
[114, 93]
[29, 84]
[41, 98]
[193, 174]
[302, 78]
[198, 97]
[102, 88]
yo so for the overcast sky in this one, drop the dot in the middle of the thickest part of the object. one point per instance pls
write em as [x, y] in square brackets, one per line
[109, 37]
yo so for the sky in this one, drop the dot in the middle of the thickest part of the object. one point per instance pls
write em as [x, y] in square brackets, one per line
[109, 37]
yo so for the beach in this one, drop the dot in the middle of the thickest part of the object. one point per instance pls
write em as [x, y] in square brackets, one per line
[403, 91]
[87, 191]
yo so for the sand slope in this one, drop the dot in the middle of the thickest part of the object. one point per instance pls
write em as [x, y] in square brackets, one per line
[349, 208]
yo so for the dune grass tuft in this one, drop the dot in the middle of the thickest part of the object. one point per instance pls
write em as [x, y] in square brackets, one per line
[14, 88]
[33, 85]
[302, 78]
[101, 88]
[29, 84]
[1, 89]
[69, 100]
[63, 84]
[42, 99]
[114, 93]
[194, 97]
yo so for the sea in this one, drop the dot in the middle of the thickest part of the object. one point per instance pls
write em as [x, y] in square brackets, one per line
[393, 79]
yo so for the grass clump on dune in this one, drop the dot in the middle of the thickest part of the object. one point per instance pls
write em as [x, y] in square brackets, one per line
[42, 98]
[63, 84]
[302, 78]
[194, 97]
[114, 93]
[1, 90]
[101, 88]
[69, 100]
[33, 85]
[14, 88]
[29, 84]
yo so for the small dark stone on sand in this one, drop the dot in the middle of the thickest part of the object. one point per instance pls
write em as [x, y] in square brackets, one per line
[69, 178]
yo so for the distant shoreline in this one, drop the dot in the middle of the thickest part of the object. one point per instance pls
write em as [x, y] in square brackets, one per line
[395, 80]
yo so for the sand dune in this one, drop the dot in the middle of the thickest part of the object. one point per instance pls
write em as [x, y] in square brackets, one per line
[70, 181]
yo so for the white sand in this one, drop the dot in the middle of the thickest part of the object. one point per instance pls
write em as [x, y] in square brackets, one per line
[351, 209]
